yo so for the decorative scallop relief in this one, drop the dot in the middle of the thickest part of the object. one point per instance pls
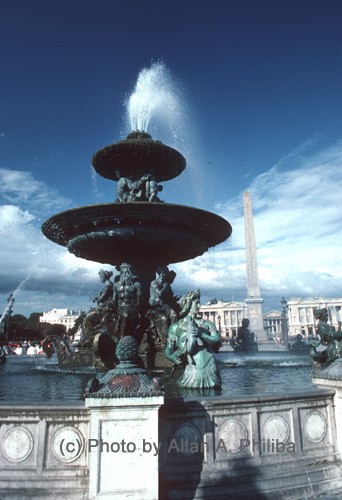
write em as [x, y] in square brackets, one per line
[17, 444]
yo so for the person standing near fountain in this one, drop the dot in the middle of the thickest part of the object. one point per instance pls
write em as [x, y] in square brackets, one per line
[193, 341]
[2, 356]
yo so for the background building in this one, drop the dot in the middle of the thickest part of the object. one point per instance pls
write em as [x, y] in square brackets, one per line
[227, 316]
[299, 316]
[273, 323]
[66, 317]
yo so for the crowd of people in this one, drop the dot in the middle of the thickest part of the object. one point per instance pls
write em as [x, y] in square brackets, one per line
[25, 347]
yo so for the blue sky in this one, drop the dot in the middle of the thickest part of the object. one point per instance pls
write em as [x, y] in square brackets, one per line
[259, 90]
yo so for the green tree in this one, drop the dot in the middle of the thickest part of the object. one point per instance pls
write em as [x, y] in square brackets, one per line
[17, 327]
[34, 328]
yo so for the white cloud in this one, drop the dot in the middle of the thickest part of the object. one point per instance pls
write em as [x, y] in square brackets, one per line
[28, 260]
[20, 188]
[297, 219]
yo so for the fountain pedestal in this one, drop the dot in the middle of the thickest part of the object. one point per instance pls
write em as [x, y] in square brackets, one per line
[123, 455]
[123, 440]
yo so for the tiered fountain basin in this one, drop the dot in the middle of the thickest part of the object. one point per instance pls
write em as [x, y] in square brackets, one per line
[138, 232]
[136, 155]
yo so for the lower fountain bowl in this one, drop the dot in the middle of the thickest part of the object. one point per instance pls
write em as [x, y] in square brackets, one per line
[139, 232]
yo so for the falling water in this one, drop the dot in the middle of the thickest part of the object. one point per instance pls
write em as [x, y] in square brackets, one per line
[19, 287]
[159, 105]
[98, 195]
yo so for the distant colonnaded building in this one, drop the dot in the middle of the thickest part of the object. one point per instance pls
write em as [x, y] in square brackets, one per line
[228, 316]
[66, 317]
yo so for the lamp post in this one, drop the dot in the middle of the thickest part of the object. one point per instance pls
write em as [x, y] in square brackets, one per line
[285, 329]
[219, 323]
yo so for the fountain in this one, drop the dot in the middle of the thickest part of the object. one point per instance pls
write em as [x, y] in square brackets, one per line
[138, 230]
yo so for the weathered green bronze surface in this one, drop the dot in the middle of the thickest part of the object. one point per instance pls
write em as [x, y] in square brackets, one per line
[330, 338]
[191, 344]
[141, 235]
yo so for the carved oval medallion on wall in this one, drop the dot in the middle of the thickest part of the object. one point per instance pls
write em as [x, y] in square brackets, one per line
[232, 432]
[315, 426]
[275, 428]
[17, 444]
[67, 444]
[185, 439]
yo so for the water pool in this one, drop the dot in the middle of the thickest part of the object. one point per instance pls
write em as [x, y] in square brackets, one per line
[36, 380]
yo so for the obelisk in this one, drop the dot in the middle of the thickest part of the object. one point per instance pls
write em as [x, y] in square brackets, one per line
[254, 301]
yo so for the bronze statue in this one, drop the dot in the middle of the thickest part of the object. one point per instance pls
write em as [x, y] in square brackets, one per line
[144, 189]
[245, 342]
[163, 303]
[152, 188]
[192, 342]
[127, 295]
[128, 378]
[329, 337]
[102, 316]
[96, 346]
[162, 312]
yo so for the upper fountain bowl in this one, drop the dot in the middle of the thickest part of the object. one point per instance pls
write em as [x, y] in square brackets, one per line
[135, 156]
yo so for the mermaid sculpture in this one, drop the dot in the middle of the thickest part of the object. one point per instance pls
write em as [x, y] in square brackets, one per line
[192, 343]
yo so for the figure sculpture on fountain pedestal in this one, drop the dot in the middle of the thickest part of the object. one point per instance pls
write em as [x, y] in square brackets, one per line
[192, 342]
[246, 342]
[164, 306]
[329, 337]
[144, 189]
[102, 316]
[162, 312]
[127, 298]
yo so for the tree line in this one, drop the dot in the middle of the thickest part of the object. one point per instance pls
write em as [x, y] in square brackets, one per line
[18, 327]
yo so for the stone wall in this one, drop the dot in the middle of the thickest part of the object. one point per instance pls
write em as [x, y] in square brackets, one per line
[43, 453]
[250, 448]
[269, 447]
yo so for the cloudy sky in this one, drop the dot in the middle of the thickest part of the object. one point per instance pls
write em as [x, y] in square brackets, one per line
[249, 91]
